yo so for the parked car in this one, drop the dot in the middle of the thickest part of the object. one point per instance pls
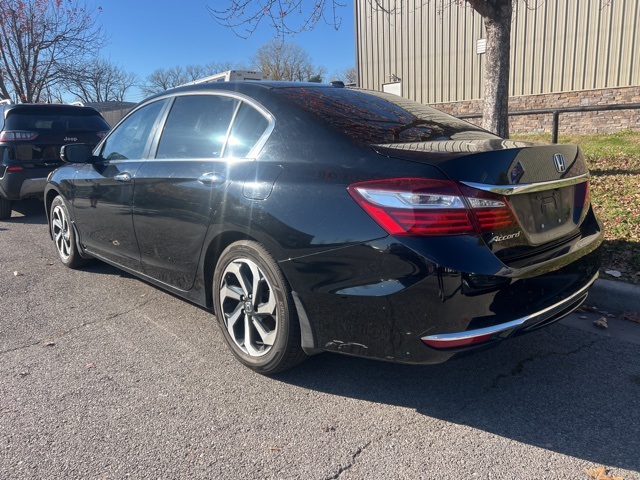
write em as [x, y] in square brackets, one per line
[317, 218]
[30, 139]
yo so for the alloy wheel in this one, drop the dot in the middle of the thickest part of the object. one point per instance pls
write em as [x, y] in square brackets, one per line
[249, 307]
[61, 231]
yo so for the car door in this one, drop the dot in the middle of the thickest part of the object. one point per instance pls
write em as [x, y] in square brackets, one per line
[179, 190]
[103, 190]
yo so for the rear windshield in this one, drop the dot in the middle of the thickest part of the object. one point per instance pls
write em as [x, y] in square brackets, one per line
[56, 123]
[380, 118]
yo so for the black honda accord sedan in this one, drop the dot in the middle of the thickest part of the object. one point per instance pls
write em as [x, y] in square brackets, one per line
[318, 218]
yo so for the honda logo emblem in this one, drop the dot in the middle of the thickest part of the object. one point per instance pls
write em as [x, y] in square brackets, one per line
[558, 160]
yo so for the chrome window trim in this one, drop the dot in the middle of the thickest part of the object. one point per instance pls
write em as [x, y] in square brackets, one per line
[253, 153]
[528, 187]
[257, 148]
[502, 327]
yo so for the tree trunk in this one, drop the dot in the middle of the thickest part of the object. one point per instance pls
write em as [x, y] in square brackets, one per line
[495, 113]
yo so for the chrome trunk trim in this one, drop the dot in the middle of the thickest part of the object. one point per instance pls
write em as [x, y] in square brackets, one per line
[528, 187]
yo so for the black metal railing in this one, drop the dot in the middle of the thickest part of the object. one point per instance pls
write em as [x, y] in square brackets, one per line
[557, 111]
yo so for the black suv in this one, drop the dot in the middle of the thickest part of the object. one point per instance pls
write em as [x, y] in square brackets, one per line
[31, 136]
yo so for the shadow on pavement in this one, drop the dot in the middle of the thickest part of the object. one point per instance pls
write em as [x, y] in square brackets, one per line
[537, 389]
[28, 211]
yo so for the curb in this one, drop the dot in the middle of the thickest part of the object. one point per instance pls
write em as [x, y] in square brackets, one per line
[613, 296]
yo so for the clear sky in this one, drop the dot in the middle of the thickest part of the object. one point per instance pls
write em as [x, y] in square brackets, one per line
[145, 35]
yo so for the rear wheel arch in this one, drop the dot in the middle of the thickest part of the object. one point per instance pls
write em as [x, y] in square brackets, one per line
[211, 256]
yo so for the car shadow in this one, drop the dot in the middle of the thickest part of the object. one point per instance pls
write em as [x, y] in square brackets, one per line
[29, 211]
[550, 389]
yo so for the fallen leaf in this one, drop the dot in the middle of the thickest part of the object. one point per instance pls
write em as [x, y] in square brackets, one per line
[631, 316]
[273, 448]
[51, 344]
[600, 473]
[601, 323]
[89, 365]
[17, 274]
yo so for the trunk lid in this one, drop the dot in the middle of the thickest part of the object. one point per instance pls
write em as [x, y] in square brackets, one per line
[546, 187]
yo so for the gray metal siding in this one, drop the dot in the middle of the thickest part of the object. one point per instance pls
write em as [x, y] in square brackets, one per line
[557, 46]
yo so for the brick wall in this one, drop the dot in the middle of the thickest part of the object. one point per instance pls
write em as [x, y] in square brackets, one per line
[585, 122]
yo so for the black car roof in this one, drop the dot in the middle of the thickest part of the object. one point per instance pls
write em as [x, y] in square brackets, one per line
[247, 87]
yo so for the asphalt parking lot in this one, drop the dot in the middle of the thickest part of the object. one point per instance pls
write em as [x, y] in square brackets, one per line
[105, 376]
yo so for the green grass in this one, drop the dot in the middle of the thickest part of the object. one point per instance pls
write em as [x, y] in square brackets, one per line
[614, 162]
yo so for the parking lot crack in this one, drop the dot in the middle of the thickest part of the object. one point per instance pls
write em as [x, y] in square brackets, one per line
[102, 320]
[354, 457]
[359, 451]
[21, 347]
[520, 366]
[75, 328]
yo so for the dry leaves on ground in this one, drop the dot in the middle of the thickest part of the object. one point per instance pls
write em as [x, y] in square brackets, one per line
[601, 323]
[600, 473]
[631, 316]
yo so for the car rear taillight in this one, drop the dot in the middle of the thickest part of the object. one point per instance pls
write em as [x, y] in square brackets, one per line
[430, 207]
[17, 135]
[491, 211]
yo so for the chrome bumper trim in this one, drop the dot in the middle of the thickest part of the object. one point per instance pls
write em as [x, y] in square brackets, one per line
[514, 324]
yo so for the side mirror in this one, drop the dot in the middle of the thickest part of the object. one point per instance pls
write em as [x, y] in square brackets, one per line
[77, 153]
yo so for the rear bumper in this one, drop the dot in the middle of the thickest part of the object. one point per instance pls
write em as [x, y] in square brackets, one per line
[30, 182]
[529, 322]
[385, 300]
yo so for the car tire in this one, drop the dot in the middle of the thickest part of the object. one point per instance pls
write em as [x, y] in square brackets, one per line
[255, 309]
[64, 235]
[5, 208]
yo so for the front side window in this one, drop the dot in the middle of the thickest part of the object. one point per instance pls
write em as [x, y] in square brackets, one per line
[130, 139]
[197, 127]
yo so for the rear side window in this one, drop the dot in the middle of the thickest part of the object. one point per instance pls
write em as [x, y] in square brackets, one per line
[248, 126]
[197, 127]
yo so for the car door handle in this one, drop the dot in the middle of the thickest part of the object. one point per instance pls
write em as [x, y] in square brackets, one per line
[211, 178]
[123, 177]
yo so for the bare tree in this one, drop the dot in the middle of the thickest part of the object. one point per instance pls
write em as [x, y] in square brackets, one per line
[163, 79]
[497, 15]
[40, 40]
[286, 61]
[100, 81]
[348, 75]
[294, 16]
